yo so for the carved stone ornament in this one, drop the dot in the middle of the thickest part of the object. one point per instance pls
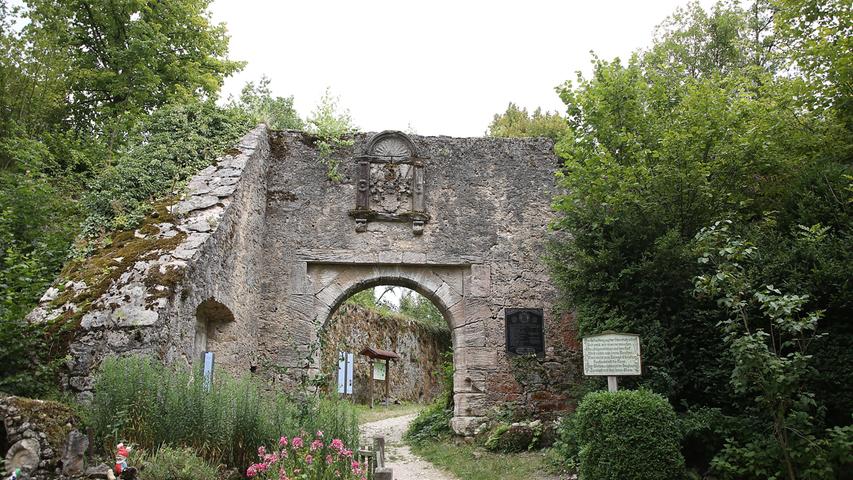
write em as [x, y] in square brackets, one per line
[390, 183]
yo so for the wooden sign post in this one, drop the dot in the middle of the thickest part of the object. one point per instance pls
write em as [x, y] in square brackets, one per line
[612, 355]
[378, 370]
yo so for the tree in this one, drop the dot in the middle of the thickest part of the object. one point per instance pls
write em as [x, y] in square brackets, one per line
[705, 124]
[516, 122]
[127, 57]
[820, 35]
[769, 335]
[276, 112]
[414, 305]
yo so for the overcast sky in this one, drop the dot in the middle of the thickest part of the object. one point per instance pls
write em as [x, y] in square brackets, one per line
[433, 67]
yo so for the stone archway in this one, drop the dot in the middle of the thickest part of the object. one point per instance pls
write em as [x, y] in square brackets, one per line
[463, 221]
[458, 292]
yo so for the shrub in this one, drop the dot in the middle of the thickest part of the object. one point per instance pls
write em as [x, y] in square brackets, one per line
[564, 454]
[434, 421]
[177, 141]
[309, 459]
[628, 434]
[517, 437]
[171, 463]
[141, 401]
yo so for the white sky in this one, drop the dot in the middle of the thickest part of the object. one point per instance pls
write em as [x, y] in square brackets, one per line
[433, 67]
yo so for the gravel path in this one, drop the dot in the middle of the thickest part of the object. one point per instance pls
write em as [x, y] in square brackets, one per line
[406, 465]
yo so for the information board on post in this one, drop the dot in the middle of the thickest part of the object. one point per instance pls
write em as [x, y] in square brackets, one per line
[379, 371]
[611, 355]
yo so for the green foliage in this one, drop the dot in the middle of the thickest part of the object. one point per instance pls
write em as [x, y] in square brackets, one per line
[514, 438]
[769, 335]
[277, 112]
[174, 463]
[82, 83]
[628, 434]
[143, 402]
[364, 298]
[563, 455]
[433, 423]
[127, 58]
[516, 122]
[707, 123]
[819, 34]
[178, 140]
[421, 309]
[332, 129]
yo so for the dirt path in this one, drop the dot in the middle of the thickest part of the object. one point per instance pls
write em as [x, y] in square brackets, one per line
[406, 465]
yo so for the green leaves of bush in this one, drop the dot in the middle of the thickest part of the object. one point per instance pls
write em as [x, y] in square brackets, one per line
[178, 141]
[628, 434]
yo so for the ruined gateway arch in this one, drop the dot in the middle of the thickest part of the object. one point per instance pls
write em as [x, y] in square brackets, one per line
[273, 247]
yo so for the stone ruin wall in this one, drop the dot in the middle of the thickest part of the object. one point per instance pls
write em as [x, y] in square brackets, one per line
[268, 250]
[41, 438]
[413, 377]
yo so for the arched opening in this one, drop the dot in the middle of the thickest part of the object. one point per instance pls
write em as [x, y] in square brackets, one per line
[392, 318]
[215, 332]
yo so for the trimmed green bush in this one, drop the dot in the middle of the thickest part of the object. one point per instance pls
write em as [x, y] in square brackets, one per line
[628, 434]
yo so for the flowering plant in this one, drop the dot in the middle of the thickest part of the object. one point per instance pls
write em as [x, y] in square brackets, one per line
[301, 459]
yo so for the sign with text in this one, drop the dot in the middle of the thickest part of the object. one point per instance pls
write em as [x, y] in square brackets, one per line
[379, 371]
[612, 354]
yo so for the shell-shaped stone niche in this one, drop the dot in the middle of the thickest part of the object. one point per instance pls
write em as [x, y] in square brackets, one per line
[391, 145]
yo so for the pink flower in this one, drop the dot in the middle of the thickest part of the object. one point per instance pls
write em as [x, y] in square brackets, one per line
[297, 442]
[329, 460]
[320, 433]
[309, 459]
[251, 471]
[282, 442]
[316, 444]
[337, 444]
[262, 451]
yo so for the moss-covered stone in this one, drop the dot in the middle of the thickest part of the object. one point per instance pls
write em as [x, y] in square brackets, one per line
[54, 419]
[117, 255]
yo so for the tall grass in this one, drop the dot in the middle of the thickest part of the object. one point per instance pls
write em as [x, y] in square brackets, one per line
[141, 401]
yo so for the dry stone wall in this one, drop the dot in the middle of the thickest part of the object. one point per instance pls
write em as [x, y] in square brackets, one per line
[413, 377]
[263, 247]
[40, 439]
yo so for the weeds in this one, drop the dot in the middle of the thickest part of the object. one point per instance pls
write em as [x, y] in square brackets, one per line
[141, 401]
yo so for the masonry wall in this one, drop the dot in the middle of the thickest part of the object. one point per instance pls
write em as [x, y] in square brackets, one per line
[489, 201]
[413, 376]
[264, 243]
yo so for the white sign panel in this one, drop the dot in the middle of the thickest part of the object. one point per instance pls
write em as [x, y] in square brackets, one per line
[345, 361]
[208, 370]
[612, 354]
[379, 371]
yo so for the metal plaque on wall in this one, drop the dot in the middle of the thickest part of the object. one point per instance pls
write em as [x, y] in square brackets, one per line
[525, 332]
